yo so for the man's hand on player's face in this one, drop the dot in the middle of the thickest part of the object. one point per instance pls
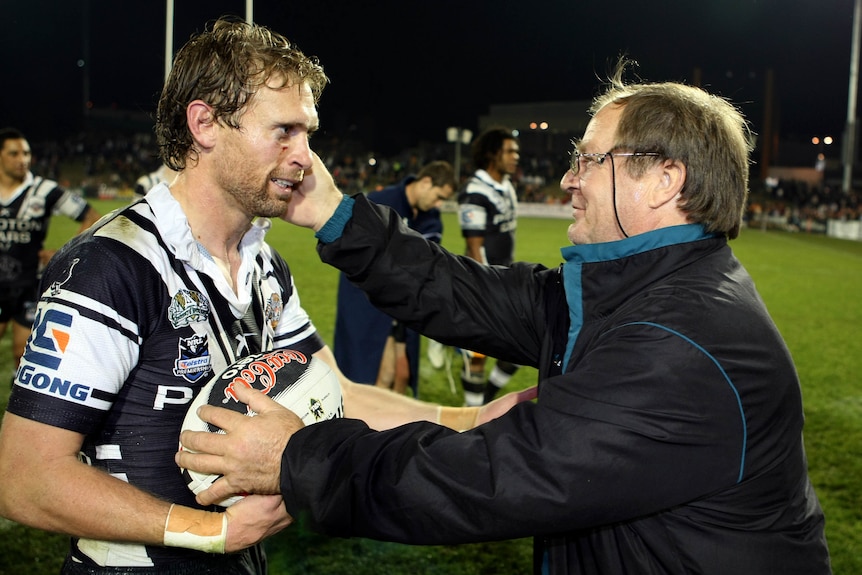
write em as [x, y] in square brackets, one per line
[314, 200]
[247, 454]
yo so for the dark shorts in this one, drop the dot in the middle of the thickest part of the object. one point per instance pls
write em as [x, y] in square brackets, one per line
[250, 561]
[19, 304]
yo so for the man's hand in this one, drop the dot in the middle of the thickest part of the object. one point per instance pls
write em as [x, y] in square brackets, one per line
[503, 404]
[314, 200]
[248, 454]
[253, 519]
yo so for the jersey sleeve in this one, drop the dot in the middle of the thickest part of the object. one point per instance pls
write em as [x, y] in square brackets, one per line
[71, 205]
[85, 342]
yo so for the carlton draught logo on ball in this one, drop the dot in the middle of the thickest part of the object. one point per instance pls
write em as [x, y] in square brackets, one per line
[303, 384]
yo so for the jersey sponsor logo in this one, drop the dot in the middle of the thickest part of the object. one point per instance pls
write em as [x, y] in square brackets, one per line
[172, 395]
[472, 217]
[19, 225]
[273, 310]
[188, 307]
[15, 231]
[194, 358]
[28, 376]
[49, 339]
[45, 348]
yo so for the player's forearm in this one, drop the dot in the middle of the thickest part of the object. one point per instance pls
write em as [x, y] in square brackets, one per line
[67, 496]
[383, 409]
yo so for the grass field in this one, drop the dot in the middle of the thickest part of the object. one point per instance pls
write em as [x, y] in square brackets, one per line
[812, 285]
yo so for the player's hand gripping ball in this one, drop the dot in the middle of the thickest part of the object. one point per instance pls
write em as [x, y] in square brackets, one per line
[303, 384]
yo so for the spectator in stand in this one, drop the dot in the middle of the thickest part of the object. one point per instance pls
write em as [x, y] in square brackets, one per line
[369, 346]
[488, 213]
[27, 203]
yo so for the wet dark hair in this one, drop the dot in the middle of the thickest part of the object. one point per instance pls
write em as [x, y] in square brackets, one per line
[225, 66]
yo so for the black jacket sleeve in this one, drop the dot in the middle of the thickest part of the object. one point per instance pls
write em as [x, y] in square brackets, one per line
[450, 298]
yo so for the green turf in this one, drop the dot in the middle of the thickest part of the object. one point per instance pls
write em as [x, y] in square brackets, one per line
[811, 285]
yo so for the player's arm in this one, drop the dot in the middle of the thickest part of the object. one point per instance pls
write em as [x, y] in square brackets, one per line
[382, 409]
[44, 485]
[91, 216]
[476, 248]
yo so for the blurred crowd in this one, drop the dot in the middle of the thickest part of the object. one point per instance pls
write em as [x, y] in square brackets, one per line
[107, 165]
[796, 205]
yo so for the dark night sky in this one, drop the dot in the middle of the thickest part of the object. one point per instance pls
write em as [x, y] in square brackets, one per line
[417, 67]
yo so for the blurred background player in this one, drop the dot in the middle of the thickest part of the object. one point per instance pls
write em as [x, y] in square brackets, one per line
[145, 183]
[27, 203]
[488, 207]
[369, 346]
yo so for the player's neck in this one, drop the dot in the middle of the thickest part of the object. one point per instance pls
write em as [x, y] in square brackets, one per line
[215, 226]
[8, 185]
[495, 174]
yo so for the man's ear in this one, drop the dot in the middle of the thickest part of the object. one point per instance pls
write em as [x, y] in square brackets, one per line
[670, 183]
[202, 124]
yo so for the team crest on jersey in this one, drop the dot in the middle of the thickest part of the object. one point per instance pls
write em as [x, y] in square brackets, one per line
[35, 208]
[195, 360]
[188, 307]
[274, 307]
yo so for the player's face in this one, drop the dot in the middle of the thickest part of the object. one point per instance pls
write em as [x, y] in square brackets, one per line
[508, 157]
[593, 188]
[15, 159]
[431, 196]
[259, 164]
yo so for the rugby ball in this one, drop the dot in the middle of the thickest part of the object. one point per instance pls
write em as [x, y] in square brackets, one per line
[302, 383]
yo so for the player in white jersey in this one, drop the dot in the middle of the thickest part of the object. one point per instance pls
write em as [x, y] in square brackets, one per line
[488, 214]
[140, 313]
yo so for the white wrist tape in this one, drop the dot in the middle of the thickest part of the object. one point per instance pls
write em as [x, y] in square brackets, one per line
[458, 418]
[196, 529]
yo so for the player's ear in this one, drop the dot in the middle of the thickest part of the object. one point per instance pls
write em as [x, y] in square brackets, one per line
[202, 123]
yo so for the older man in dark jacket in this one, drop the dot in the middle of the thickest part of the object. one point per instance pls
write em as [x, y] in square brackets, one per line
[667, 434]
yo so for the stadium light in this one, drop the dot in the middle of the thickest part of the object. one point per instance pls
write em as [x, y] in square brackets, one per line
[458, 136]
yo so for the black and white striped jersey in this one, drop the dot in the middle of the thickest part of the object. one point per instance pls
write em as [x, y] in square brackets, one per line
[24, 220]
[490, 209]
[134, 319]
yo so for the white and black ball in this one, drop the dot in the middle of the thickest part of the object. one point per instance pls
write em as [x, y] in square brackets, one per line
[303, 384]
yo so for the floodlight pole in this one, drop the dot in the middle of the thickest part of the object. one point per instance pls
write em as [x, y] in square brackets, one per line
[850, 135]
[169, 36]
[169, 30]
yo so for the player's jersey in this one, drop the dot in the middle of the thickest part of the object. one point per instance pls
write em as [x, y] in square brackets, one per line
[490, 209]
[134, 320]
[24, 220]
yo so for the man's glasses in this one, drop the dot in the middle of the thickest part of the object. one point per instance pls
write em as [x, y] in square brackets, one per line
[599, 159]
